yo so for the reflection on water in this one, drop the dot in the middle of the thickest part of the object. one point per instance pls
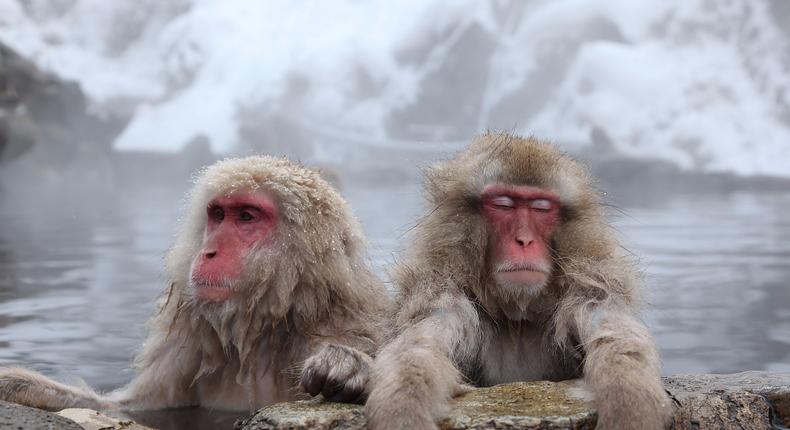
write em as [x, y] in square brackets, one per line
[718, 273]
[78, 280]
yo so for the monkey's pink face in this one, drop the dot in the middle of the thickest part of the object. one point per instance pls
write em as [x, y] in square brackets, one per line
[235, 225]
[523, 219]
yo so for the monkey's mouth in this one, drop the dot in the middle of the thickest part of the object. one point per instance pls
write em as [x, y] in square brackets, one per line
[527, 269]
[211, 292]
[510, 268]
[523, 275]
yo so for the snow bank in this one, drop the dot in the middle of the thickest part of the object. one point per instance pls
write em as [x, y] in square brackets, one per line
[706, 85]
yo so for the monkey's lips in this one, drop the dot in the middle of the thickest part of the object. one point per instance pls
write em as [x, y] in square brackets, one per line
[211, 292]
[526, 275]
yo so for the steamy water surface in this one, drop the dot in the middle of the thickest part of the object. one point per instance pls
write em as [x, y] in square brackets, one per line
[78, 279]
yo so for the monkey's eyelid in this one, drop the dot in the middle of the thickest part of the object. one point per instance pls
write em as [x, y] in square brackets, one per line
[503, 201]
[542, 204]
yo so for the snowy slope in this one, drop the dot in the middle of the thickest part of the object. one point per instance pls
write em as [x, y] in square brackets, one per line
[704, 84]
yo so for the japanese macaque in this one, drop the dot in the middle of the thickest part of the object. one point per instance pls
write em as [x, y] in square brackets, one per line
[268, 279]
[515, 276]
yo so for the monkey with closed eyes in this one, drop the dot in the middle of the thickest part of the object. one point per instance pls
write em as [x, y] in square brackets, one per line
[515, 275]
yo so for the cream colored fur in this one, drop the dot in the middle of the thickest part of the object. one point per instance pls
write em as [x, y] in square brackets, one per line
[312, 288]
[455, 326]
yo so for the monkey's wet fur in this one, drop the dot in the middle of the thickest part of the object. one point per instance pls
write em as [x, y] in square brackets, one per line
[514, 275]
[268, 287]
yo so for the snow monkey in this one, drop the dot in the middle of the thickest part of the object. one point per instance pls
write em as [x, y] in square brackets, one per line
[268, 275]
[515, 276]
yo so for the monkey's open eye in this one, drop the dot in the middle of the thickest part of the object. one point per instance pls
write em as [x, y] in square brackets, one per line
[216, 213]
[503, 202]
[246, 216]
[542, 205]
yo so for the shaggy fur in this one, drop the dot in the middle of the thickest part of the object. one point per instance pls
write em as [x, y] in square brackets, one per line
[454, 325]
[313, 288]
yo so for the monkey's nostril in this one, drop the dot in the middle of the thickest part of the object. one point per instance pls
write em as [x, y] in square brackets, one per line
[210, 254]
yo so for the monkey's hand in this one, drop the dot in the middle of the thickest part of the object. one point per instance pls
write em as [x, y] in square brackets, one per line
[338, 372]
[630, 406]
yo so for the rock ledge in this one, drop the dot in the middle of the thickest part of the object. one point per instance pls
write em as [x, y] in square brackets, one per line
[748, 400]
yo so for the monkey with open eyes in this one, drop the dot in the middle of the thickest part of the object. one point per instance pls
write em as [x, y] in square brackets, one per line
[269, 289]
[514, 275]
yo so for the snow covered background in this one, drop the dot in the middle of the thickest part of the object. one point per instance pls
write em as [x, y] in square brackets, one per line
[704, 84]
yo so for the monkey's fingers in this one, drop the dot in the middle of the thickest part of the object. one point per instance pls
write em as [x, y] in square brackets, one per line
[352, 390]
[349, 395]
[332, 388]
[313, 380]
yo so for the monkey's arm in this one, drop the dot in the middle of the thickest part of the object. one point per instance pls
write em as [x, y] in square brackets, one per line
[31, 388]
[415, 375]
[339, 358]
[162, 382]
[166, 372]
[623, 369]
[339, 361]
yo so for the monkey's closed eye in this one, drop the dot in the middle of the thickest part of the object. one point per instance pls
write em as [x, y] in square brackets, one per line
[503, 202]
[541, 205]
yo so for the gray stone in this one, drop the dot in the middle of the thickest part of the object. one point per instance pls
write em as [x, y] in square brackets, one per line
[90, 419]
[724, 411]
[306, 414]
[18, 417]
[521, 405]
[748, 400]
[49, 118]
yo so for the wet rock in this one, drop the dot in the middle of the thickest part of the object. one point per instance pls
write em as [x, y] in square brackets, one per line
[521, 405]
[724, 411]
[306, 414]
[49, 117]
[14, 417]
[748, 400]
[17, 134]
[90, 419]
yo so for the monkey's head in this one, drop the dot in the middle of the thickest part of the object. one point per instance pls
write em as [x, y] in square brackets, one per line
[507, 211]
[265, 236]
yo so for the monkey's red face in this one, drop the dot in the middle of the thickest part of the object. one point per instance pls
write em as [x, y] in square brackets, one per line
[235, 225]
[523, 219]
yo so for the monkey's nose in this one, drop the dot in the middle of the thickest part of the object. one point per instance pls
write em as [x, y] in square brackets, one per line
[523, 241]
